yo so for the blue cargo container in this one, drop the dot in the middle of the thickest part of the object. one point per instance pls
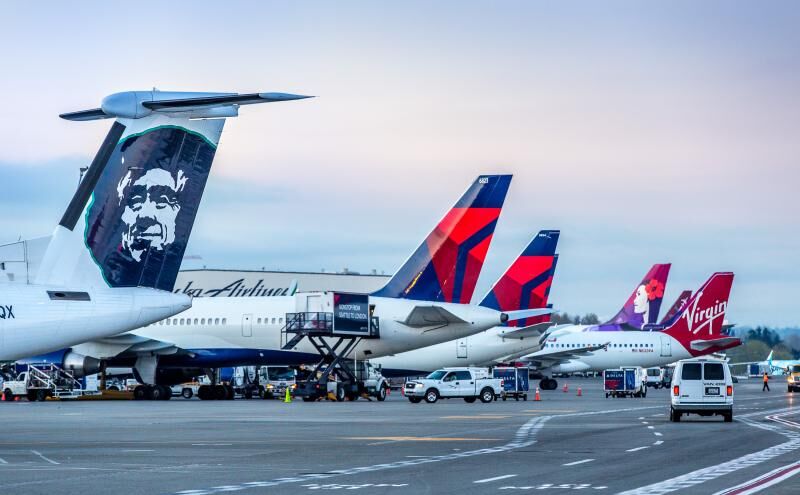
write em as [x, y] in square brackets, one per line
[515, 382]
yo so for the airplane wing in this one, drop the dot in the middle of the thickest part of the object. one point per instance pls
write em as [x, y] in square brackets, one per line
[701, 345]
[125, 344]
[531, 331]
[550, 357]
[425, 316]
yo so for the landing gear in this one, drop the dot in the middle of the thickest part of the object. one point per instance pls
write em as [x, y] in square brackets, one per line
[548, 384]
[215, 392]
[152, 392]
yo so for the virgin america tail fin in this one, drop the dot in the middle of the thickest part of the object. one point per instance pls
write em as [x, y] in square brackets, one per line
[130, 219]
[446, 266]
[676, 308]
[699, 326]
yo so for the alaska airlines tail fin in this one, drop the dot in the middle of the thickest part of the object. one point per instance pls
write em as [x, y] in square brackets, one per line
[699, 327]
[676, 308]
[643, 305]
[130, 219]
[526, 283]
[446, 266]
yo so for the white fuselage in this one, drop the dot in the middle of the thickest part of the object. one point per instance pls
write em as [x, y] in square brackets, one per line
[483, 349]
[625, 348]
[37, 319]
[257, 323]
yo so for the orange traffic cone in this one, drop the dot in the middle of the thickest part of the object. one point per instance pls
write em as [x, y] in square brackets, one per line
[537, 397]
[566, 388]
[579, 392]
[17, 398]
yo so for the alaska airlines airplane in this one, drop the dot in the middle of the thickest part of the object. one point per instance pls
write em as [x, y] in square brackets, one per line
[424, 303]
[524, 285]
[773, 366]
[696, 330]
[111, 263]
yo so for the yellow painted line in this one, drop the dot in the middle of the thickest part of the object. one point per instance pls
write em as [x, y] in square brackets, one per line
[482, 416]
[424, 439]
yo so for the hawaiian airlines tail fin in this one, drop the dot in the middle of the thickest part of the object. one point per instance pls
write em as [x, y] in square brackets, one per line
[676, 308]
[130, 219]
[643, 305]
[446, 266]
[699, 327]
[526, 283]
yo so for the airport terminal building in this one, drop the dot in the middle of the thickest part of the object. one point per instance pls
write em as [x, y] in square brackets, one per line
[258, 283]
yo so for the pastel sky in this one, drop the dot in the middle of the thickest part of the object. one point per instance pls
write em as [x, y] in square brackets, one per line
[647, 132]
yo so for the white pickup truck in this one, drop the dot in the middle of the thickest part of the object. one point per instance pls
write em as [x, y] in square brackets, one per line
[447, 383]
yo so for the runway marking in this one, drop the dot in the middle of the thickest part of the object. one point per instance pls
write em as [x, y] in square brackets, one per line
[765, 481]
[638, 449]
[584, 461]
[337, 486]
[555, 486]
[650, 427]
[211, 444]
[525, 436]
[645, 422]
[688, 480]
[51, 461]
[658, 442]
[424, 439]
[138, 450]
[3, 461]
[496, 478]
[487, 416]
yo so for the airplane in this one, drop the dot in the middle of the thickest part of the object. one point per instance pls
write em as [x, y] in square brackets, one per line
[110, 264]
[424, 303]
[524, 285]
[774, 367]
[695, 331]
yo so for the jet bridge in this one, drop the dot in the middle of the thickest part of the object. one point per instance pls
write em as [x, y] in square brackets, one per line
[334, 334]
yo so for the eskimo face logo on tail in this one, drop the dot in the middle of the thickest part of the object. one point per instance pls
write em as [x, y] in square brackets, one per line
[145, 204]
[696, 319]
[151, 209]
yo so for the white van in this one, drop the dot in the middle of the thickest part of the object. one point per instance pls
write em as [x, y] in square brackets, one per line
[702, 386]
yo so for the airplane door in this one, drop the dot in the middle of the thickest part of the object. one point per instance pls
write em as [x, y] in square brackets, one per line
[247, 325]
[314, 304]
[461, 349]
[666, 346]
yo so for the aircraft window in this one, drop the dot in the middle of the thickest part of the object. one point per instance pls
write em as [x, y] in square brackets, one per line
[195, 321]
[280, 320]
[224, 320]
[216, 321]
[273, 321]
[167, 322]
[202, 321]
[259, 321]
[174, 321]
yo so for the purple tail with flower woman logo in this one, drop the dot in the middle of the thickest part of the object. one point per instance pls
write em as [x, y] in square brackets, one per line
[644, 303]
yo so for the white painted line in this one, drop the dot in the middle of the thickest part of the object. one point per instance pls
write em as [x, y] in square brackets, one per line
[658, 442]
[577, 462]
[645, 422]
[51, 461]
[3, 461]
[641, 417]
[496, 478]
[650, 427]
[638, 449]
[211, 444]
[764, 481]
[138, 450]
[658, 434]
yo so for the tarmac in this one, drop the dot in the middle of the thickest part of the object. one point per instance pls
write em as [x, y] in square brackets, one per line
[557, 445]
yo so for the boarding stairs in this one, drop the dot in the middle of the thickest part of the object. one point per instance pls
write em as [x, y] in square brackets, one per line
[61, 383]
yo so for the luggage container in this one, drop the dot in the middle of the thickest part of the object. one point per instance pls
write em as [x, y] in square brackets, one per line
[625, 382]
[515, 381]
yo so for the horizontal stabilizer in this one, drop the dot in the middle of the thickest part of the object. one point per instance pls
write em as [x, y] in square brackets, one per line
[531, 331]
[140, 104]
[702, 345]
[528, 313]
[425, 316]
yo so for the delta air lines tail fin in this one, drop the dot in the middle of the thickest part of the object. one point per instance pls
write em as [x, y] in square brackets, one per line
[130, 219]
[526, 283]
[643, 305]
[446, 266]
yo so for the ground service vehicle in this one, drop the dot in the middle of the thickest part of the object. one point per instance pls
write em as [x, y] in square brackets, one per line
[655, 378]
[39, 382]
[702, 386]
[275, 380]
[794, 378]
[515, 381]
[625, 382]
[447, 383]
